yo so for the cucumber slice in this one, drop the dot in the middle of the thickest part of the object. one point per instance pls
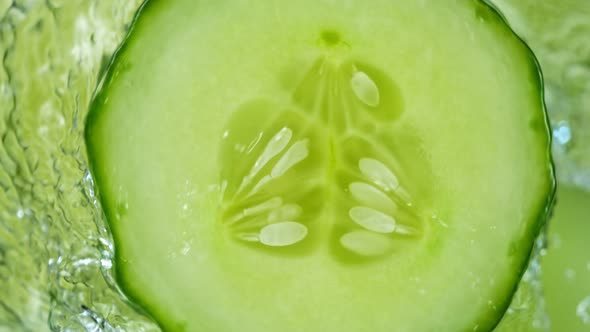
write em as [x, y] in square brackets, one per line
[321, 165]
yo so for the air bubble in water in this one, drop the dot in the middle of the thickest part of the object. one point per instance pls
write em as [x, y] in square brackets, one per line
[570, 274]
[583, 310]
[562, 133]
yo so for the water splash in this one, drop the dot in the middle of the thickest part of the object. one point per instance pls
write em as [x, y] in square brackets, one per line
[559, 34]
[583, 310]
[55, 250]
[527, 310]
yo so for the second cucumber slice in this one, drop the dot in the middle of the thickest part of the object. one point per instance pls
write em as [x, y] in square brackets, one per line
[321, 165]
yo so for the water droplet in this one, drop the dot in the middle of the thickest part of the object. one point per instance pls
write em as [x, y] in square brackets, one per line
[85, 262]
[106, 263]
[570, 274]
[365, 89]
[365, 243]
[577, 72]
[562, 133]
[370, 196]
[583, 310]
[296, 153]
[282, 234]
[555, 241]
[380, 174]
[372, 220]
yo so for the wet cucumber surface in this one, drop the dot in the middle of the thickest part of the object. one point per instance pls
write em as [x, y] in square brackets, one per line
[321, 165]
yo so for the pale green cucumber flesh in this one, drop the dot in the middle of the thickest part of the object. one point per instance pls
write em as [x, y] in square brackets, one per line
[321, 165]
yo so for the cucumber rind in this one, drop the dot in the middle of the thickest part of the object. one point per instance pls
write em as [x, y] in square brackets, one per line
[135, 297]
[545, 211]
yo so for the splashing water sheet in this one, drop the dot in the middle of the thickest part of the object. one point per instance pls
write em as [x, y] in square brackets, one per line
[55, 248]
[55, 252]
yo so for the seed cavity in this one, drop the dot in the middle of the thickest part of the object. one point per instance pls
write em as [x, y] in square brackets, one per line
[372, 219]
[301, 166]
[296, 153]
[282, 234]
[365, 89]
[370, 196]
[366, 243]
[380, 174]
